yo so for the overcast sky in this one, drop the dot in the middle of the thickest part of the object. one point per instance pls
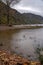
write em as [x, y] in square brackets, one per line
[31, 6]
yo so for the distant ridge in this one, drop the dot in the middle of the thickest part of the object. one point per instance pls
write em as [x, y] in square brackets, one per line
[32, 18]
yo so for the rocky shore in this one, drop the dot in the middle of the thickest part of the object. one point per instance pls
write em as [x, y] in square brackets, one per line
[14, 59]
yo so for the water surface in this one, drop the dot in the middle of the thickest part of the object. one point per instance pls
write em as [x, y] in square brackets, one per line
[21, 41]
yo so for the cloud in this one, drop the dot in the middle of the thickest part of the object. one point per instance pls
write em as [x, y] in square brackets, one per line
[26, 9]
[33, 6]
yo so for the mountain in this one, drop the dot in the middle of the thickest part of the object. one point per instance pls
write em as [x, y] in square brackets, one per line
[17, 18]
[30, 18]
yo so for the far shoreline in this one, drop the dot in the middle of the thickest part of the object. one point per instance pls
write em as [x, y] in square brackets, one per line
[13, 27]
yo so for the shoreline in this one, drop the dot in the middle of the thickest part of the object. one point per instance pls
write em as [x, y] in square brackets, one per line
[4, 27]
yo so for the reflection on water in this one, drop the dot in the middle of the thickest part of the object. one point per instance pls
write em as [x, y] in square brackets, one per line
[21, 41]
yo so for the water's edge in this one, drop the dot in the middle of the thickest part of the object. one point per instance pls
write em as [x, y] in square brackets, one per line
[34, 26]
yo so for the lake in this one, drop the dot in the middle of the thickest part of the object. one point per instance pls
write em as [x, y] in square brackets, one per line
[21, 41]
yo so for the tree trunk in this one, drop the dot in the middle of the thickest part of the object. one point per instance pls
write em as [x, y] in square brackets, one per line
[7, 14]
[0, 13]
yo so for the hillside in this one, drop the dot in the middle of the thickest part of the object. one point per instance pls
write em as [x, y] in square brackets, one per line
[32, 18]
[14, 16]
[17, 18]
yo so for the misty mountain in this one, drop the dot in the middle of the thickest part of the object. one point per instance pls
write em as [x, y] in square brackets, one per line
[30, 18]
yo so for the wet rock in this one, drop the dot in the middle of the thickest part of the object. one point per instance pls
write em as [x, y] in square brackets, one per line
[1, 44]
[19, 64]
[23, 36]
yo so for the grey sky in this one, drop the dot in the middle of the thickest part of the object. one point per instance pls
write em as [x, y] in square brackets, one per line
[31, 6]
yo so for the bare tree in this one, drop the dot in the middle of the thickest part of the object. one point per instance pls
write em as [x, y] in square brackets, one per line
[8, 3]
